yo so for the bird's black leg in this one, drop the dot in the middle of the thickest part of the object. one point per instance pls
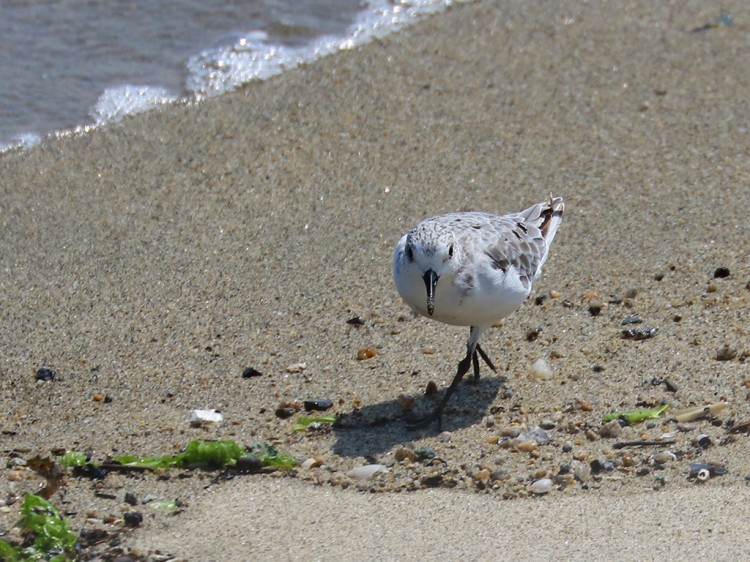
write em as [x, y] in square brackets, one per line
[437, 413]
[475, 361]
[486, 358]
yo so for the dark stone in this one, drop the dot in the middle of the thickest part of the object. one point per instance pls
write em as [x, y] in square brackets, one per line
[251, 372]
[721, 273]
[45, 374]
[533, 334]
[432, 481]
[133, 518]
[319, 404]
[595, 309]
[356, 321]
[597, 369]
[285, 412]
[604, 465]
[639, 334]
[130, 499]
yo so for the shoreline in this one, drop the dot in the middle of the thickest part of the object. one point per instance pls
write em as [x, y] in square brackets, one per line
[153, 261]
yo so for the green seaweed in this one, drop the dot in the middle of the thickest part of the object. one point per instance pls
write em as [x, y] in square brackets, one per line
[270, 457]
[72, 459]
[167, 505]
[633, 417]
[198, 454]
[303, 422]
[211, 455]
[52, 534]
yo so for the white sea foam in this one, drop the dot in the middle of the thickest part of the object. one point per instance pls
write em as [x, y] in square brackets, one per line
[221, 69]
[117, 103]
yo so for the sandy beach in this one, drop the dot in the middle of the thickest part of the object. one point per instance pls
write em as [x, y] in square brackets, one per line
[151, 262]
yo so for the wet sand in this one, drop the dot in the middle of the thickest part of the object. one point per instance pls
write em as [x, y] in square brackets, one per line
[151, 262]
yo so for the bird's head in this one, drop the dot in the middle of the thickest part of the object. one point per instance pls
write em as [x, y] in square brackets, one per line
[436, 255]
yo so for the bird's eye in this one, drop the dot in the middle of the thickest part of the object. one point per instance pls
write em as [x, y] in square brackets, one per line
[409, 253]
[450, 251]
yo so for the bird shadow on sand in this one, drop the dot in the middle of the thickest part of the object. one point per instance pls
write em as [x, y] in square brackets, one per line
[376, 428]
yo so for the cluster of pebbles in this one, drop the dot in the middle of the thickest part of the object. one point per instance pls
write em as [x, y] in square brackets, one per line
[540, 433]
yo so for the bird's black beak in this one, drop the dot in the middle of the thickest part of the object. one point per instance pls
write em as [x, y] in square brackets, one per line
[430, 281]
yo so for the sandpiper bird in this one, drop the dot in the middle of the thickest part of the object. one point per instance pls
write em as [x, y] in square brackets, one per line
[473, 269]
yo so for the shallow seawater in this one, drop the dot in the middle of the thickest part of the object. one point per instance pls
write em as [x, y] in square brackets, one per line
[70, 64]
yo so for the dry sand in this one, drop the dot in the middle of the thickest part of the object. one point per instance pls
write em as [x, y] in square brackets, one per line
[152, 261]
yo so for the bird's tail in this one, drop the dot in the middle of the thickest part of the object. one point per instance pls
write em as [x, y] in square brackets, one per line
[552, 214]
[546, 216]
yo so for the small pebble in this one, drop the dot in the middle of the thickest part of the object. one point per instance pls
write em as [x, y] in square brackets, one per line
[133, 518]
[632, 319]
[296, 368]
[536, 434]
[704, 441]
[367, 471]
[726, 353]
[664, 457]
[547, 424]
[404, 454]
[425, 453]
[430, 389]
[130, 498]
[721, 273]
[511, 431]
[671, 387]
[611, 429]
[286, 409]
[45, 374]
[317, 404]
[601, 465]
[686, 426]
[365, 353]
[533, 334]
[201, 417]
[541, 486]
[526, 446]
[703, 474]
[310, 463]
[581, 471]
[712, 287]
[483, 475]
[356, 321]
[540, 370]
[595, 309]
[639, 334]
[250, 372]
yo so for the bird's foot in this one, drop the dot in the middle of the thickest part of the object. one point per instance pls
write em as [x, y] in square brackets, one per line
[424, 421]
